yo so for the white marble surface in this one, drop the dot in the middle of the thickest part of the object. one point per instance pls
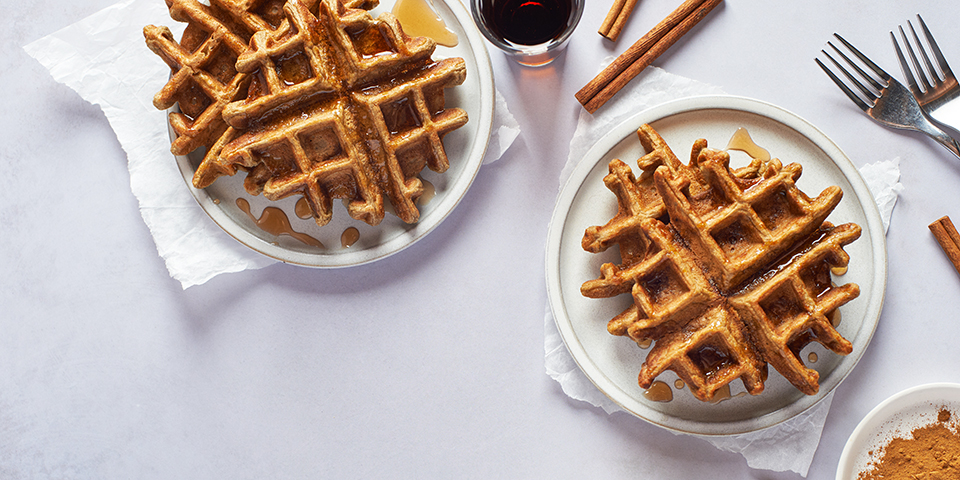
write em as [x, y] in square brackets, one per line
[428, 364]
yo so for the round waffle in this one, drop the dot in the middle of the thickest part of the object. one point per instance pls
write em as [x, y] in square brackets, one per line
[464, 148]
[729, 269]
[612, 363]
[321, 100]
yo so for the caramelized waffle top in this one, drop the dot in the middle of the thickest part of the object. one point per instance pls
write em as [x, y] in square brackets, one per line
[729, 269]
[314, 98]
[204, 77]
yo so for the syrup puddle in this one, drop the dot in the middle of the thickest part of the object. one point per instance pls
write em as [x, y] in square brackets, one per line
[273, 221]
[658, 392]
[419, 19]
[429, 191]
[723, 393]
[302, 209]
[741, 141]
[349, 237]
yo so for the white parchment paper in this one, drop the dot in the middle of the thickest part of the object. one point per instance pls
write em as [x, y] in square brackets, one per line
[104, 58]
[787, 446]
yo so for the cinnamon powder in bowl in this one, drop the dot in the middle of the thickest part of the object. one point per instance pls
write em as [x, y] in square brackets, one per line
[930, 451]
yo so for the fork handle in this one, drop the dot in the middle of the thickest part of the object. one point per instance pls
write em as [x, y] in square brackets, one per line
[941, 137]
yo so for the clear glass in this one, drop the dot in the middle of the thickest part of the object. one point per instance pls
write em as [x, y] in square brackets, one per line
[530, 55]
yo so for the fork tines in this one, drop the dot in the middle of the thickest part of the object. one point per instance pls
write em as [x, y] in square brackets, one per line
[883, 98]
[875, 82]
[927, 75]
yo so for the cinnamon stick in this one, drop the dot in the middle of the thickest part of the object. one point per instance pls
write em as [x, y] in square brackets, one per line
[616, 18]
[642, 53]
[948, 238]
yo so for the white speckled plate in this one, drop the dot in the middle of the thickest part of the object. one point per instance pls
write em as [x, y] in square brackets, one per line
[612, 363]
[896, 416]
[465, 148]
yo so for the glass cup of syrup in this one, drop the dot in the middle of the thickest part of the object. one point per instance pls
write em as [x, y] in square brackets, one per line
[532, 32]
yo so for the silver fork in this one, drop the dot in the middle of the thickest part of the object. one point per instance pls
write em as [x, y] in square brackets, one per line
[883, 98]
[936, 91]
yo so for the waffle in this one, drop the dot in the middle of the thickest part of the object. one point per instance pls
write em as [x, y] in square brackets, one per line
[729, 269]
[204, 78]
[341, 105]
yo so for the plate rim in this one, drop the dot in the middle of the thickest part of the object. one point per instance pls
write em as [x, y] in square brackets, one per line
[874, 229]
[879, 414]
[412, 233]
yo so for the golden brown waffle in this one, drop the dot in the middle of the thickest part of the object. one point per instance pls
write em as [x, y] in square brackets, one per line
[639, 198]
[338, 49]
[341, 105]
[203, 64]
[729, 269]
[314, 97]
[737, 226]
[797, 304]
[204, 78]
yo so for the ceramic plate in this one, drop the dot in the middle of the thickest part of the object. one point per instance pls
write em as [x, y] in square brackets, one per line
[465, 148]
[896, 416]
[611, 362]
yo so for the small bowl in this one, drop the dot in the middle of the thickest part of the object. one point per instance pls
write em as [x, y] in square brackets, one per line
[535, 54]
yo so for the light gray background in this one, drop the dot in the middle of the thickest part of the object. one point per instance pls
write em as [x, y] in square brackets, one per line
[428, 364]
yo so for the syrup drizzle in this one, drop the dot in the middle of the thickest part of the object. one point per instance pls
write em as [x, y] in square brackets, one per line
[812, 357]
[401, 116]
[678, 384]
[419, 19]
[741, 141]
[273, 221]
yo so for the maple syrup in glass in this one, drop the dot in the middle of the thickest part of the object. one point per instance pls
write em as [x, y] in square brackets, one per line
[532, 31]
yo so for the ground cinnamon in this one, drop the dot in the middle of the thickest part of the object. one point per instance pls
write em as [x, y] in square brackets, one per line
[932, 451]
